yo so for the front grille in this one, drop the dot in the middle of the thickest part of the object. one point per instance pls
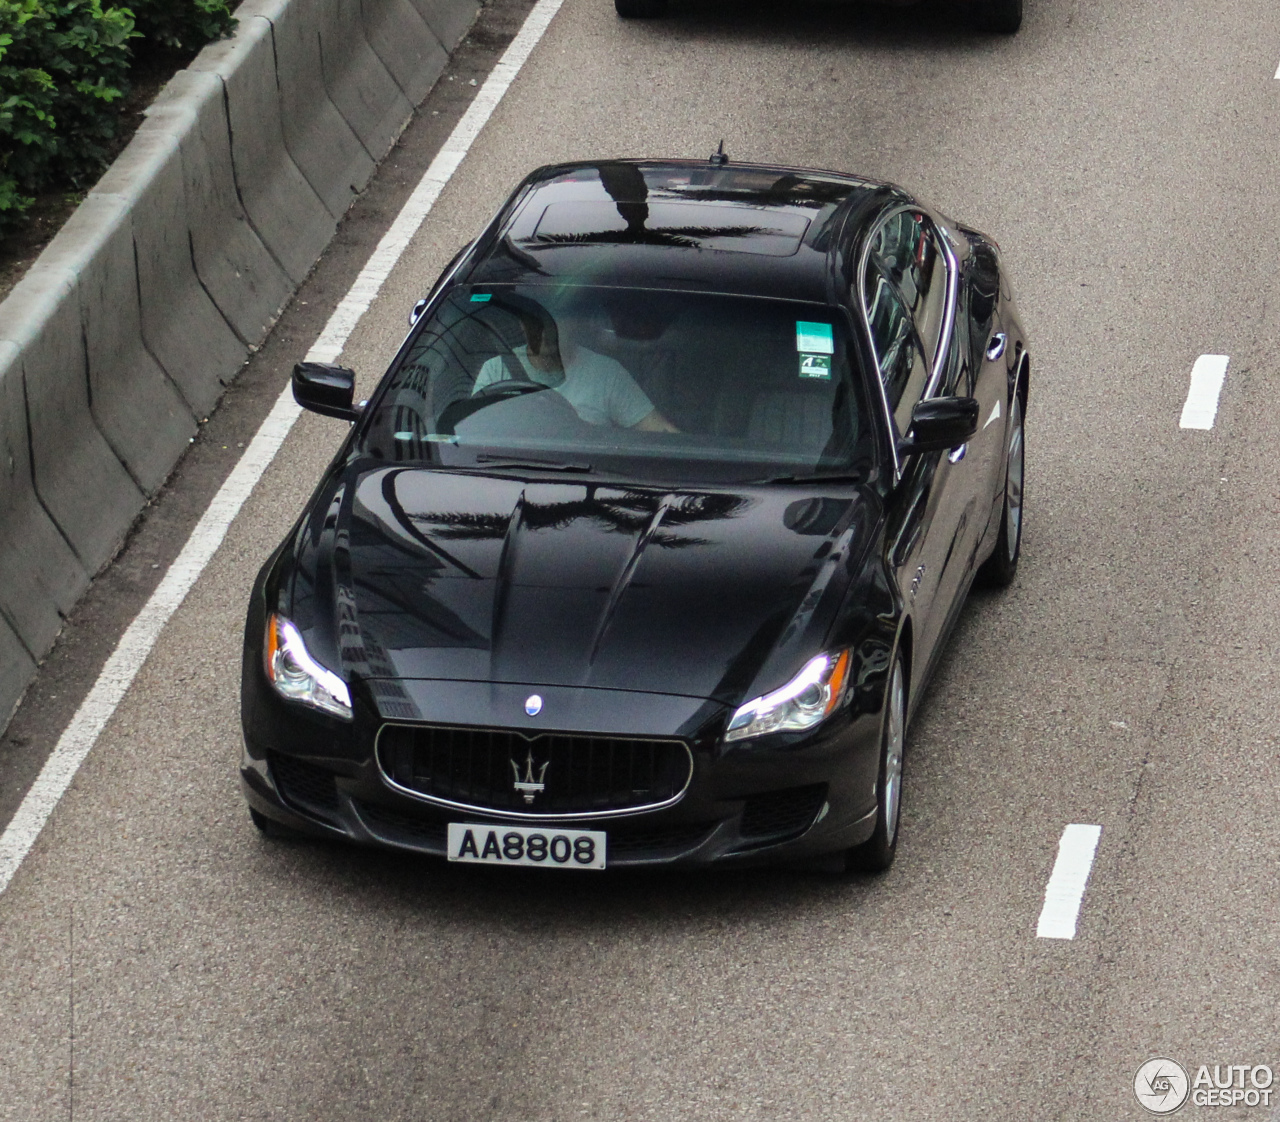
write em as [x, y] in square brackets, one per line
[304, 786]
[780, 813]
[562, 773]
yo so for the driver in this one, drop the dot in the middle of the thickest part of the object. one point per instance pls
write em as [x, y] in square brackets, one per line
[599, 389]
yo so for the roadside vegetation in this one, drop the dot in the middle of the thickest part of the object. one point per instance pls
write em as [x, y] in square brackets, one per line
[67, 70]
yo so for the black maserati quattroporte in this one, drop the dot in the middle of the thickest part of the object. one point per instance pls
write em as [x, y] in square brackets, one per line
[644, 547]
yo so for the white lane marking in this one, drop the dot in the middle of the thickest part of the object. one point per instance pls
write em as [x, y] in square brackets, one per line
[1278, 72]
[995, 414]
[1065, 890]
[1207, 376]
[135, 645]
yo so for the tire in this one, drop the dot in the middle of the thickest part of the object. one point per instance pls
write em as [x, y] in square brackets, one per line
[640, 9]
[876, 854]
[1001, 567]
[1003, 17]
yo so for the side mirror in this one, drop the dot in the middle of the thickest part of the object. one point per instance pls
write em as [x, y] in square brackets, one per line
[416, 314]
[940, 423]
[326, 389]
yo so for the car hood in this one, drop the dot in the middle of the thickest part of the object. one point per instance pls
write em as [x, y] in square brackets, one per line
[483, 578]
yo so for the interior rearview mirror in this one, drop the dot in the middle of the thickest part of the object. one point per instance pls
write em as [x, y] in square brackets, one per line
[326, 389]
[940, 423]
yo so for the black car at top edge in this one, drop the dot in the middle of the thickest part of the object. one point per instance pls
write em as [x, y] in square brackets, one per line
[1000, 16]
[644, 547]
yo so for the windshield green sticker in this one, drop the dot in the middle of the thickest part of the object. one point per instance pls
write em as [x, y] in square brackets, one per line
[815, 366]
[481, 297]
[815, 338]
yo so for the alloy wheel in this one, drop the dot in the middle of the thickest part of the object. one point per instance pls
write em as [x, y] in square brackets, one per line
[1013, 482]
[893, 740]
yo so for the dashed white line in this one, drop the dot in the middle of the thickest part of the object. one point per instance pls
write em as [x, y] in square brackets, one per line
[135, 645]
[1065, 890]
[1201, 407]
[1278, 73]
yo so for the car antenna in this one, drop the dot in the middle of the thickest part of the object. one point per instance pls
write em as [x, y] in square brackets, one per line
[718, 157]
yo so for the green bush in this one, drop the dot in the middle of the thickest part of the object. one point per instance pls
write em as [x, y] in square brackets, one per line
[64, 69]
[63, 66]
[182, 24]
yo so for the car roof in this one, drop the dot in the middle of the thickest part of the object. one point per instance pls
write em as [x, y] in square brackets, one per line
[751, 229]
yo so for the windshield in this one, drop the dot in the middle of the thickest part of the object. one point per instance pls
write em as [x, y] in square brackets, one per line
[625, 379]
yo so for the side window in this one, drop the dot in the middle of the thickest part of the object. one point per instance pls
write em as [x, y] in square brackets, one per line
[902, 365]
[906, 249]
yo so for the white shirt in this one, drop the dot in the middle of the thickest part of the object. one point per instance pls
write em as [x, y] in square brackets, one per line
[599, 388]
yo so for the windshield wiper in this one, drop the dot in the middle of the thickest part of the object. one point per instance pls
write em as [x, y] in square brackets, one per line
[531, 465]
[817, 477]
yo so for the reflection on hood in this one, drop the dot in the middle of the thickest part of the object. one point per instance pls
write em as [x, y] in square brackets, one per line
[459, 576]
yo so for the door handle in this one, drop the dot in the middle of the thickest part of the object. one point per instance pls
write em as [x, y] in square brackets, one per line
[997, 345]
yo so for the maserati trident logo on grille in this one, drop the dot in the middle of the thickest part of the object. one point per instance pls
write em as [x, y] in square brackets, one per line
[533, 705]
[528, 786]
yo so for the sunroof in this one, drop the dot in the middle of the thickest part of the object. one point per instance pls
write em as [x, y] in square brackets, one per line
[735, 229]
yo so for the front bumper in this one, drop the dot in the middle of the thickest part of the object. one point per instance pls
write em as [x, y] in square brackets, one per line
[656, 838]
[748, 803]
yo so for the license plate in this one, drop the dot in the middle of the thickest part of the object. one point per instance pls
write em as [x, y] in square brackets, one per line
[527, 845]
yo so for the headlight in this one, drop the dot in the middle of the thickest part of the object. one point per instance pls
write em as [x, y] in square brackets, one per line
[297, 676]
[807, 699]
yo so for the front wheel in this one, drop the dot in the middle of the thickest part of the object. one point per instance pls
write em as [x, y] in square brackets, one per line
[640, 9]
[1002, 566]
[877, 852]
[1004, 17]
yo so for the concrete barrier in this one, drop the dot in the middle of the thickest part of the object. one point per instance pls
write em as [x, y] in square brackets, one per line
[449, 21]
[318, 137]
[233, 264]
[285, 210]
[13, 654]
[359, 85]
[136, 407]
[41, 578]
[181, 327]
[125, 331]
[408, 48]
[76, 475]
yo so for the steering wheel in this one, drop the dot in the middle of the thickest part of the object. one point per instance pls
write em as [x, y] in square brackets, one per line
[493, 393]
[510, 387]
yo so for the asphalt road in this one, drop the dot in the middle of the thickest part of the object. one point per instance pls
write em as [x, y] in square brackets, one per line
[161, 960]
